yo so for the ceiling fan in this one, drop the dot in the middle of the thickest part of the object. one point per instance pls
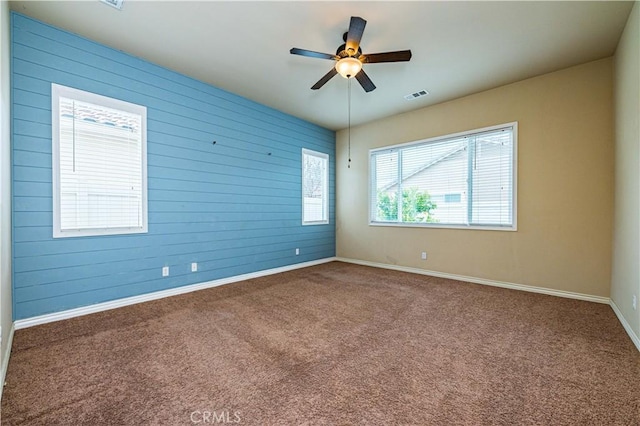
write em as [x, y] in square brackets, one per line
[349, 57]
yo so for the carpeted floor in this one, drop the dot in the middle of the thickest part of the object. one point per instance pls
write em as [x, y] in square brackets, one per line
[334, 344]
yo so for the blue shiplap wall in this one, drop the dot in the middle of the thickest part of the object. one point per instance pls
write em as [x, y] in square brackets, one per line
[231, 207]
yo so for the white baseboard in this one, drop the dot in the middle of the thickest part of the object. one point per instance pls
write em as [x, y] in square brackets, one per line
[522, 287]
[5, 359]
[71, 313]
[99, 307]
[560, 293]
[625, 324]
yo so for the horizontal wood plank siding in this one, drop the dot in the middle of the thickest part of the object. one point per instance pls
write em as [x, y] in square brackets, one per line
[234, 206]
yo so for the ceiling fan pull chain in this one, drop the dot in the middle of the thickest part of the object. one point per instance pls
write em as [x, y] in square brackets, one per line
[349, 119]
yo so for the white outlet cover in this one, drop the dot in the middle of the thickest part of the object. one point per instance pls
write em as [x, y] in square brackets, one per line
[165, 271]
[634, 302]
[297, 251]
[194, 267]
[424, 255]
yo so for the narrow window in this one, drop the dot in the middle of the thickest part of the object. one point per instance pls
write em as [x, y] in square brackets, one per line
[99, 164]
[315, 187]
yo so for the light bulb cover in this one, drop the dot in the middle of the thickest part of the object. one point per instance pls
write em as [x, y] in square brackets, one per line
[348, 67]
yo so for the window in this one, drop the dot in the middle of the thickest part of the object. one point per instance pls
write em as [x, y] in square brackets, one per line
[315, 187]
[466, 180]
[99, 164]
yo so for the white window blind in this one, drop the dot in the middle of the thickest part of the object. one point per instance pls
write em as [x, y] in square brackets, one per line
[462, 180]
[99, 164]
[315, 187]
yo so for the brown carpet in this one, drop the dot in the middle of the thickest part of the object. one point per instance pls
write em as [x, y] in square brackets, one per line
[335, 344]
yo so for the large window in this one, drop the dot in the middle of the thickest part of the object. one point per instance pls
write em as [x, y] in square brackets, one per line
[99, 164]
[466, 180]
[315, 187]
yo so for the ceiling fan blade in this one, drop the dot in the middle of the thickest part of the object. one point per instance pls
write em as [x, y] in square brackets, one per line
[399, 56]
[312, 54]
[328, 76]
[365, 81]
[356, 28]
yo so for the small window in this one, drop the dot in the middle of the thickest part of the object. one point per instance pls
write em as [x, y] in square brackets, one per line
[99, 164]
[466, 180]
[315, 187]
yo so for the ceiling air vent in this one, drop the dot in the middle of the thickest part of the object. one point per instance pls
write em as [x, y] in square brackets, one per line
[416, 95]
[115, 3]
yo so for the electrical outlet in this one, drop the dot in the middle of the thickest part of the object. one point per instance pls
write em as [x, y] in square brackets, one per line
[424, 255]
[165, 271]
[297, 251]
[634, 302]
[194, 267]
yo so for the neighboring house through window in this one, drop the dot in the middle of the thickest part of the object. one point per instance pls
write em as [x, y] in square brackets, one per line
[99, 164]
[315, 187]
[466, 180]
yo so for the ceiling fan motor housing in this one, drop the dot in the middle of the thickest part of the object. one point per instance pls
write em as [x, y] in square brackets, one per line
[343, 53]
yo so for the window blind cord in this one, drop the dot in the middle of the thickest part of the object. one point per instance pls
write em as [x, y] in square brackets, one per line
[349, 118]
[73, 121]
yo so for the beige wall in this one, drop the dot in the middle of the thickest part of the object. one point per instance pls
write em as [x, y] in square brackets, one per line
[565, 185]
[5, 192]
[626, 254]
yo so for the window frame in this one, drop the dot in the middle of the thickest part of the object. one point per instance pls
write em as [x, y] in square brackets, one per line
[325, 198]
[58, 91]
[514, 203]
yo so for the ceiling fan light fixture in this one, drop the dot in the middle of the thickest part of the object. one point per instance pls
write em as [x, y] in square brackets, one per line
[348, 67]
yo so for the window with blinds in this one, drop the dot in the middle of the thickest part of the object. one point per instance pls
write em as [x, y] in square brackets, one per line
[315, 187]
[466, 180]
[99, 164]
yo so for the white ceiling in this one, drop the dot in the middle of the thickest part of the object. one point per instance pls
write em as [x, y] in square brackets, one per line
[458, 48]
